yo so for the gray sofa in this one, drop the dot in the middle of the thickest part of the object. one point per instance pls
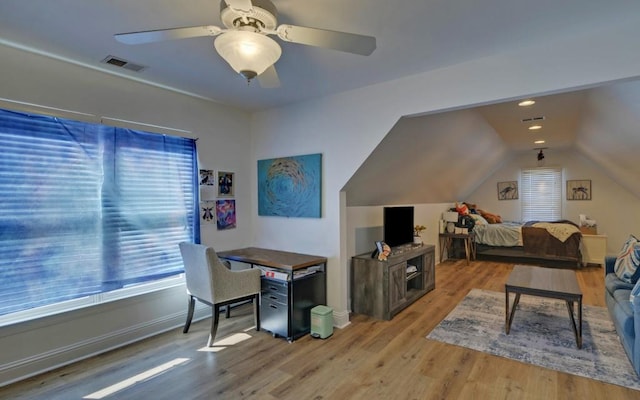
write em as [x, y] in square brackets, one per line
[622, 312]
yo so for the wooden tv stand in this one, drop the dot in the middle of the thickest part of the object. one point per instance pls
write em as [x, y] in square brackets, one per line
[382, 289]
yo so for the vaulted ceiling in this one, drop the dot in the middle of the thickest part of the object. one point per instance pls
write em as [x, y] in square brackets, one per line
[603, 124]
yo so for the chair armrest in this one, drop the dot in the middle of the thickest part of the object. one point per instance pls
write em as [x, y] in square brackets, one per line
[609, 262]
[229, 285]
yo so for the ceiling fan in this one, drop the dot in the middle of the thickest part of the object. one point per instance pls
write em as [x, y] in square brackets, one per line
[244, 43]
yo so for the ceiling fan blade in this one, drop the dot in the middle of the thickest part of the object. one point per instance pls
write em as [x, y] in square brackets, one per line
[342, 41]
[167, 34]
[269, 78]
[240, 5]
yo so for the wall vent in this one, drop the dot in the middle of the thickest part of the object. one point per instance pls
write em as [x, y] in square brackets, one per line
[121, 63]
[532, 119]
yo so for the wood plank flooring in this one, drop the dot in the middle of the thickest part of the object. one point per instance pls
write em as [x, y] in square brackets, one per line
[369, 359]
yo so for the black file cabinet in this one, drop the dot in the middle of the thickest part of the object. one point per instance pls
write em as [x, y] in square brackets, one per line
[285, 306]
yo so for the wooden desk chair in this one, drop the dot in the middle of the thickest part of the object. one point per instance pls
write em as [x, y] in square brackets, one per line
[212, 283]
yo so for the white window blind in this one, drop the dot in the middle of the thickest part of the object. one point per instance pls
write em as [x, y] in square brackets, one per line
[541, 194]
[88, 208]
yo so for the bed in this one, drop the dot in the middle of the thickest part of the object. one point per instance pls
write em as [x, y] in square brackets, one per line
[555, 241]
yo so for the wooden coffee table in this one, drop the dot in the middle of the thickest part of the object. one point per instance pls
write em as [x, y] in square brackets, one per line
[545, 282]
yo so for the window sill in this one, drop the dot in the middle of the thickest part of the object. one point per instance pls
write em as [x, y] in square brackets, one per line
[84, 302]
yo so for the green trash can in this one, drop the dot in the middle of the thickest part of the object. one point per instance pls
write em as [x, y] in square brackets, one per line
[321, 322]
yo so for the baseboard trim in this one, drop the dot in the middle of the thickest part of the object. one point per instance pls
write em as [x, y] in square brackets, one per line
[341, 319]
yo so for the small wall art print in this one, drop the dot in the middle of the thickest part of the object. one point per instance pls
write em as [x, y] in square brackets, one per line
[579, 189]
[206, 177]
[290, 186]
[208, 212]
[207, 184]
[226, 214]
[508, 190]
[225, 183]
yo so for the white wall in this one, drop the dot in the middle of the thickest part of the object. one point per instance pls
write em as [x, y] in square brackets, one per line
[347, 127]
[608, 197]
[224, 143]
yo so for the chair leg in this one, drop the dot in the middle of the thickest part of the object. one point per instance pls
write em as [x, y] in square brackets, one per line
[256, 310]
[214, 324]
[227, 311]
[192, 304]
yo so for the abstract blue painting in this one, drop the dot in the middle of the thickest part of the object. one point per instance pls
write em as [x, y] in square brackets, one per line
[290, 186]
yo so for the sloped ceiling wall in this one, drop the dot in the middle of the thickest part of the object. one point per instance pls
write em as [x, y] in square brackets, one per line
[610, 133]
[441, 158]
[429, 159]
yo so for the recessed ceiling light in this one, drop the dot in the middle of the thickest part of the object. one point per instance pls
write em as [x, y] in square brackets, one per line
[526, 103]
[539, 142]
[535, 127]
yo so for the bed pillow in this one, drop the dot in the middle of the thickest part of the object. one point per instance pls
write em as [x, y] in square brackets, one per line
[627, 266]
[479, 219]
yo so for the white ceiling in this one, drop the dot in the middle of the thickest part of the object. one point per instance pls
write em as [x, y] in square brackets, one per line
[413, 36]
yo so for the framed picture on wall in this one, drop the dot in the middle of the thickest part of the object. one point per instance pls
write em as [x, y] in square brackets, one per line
[225, 183]
[207, 184]
[508, 190]
[225, 214]
[208, 212]
[579, 189]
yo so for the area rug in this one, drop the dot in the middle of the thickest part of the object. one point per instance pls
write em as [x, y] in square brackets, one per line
[541, 334]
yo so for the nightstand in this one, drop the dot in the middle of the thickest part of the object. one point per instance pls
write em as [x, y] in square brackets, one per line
[446, 240]
[594, 249]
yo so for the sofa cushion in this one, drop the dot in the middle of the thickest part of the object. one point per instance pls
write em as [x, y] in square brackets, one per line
[613, 283]
[627, 266]
[623, 312]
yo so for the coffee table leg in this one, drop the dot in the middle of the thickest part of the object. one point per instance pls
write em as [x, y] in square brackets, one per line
[506, 311]
[577, 330]
[580, 322]
[509, 315]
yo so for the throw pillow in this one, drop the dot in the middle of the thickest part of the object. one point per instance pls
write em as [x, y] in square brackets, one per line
[635, 292]
[490, 217]
[627, 266]
[462, 209]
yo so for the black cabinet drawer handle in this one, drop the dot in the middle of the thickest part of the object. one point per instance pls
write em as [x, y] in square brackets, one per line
[272, 297]
[272, 306]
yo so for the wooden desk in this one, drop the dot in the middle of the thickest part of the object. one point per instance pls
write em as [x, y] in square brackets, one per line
[446, 240]
[287, 297]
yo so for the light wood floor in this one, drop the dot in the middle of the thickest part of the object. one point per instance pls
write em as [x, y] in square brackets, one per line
[369, 359]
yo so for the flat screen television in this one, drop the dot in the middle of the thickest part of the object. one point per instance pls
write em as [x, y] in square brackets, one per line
[398, 225]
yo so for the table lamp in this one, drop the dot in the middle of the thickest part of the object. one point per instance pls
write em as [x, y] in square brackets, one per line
[451, 218]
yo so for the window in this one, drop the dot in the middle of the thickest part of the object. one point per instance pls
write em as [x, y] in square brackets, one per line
[541, 193]
[88, 208]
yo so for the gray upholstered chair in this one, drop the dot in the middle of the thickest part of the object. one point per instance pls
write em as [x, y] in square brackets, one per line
[212, 283]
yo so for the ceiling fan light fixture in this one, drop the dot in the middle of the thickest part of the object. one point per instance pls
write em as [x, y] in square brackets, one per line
[248, 53]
